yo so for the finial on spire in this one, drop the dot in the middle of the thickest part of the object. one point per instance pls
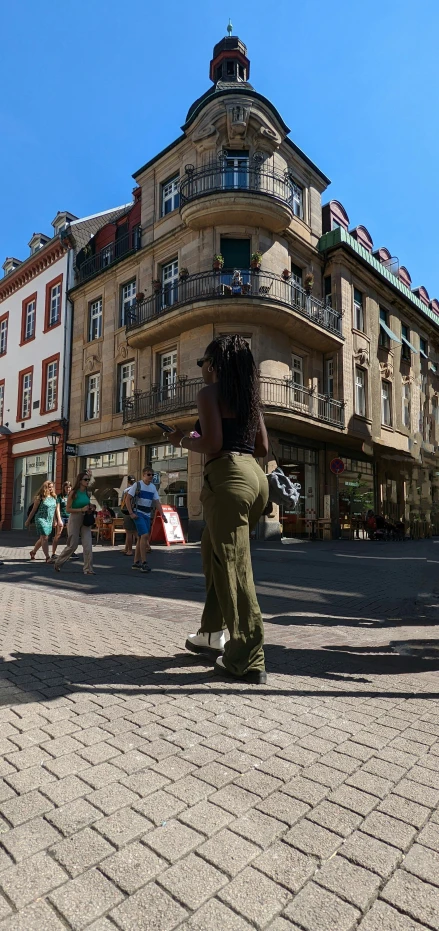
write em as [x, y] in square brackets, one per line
[230, 27]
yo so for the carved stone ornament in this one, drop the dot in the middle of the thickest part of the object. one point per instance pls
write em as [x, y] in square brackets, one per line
[362, 355]
[386, 369]
[408, 379]
[91, 363]
[122, 351]
[237, 121]
[206, 136]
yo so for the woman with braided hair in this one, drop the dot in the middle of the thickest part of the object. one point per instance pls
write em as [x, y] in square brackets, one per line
[230, 432]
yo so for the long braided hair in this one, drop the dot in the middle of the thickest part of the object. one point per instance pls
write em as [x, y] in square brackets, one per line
[238, 383]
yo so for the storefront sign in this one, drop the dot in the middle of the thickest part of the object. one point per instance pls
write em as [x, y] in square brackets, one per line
[36, 465]
[336, 466]
[71, 449]
[156, 479]
[168, 533]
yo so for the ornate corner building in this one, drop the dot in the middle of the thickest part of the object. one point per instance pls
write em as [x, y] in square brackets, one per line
[226, 233]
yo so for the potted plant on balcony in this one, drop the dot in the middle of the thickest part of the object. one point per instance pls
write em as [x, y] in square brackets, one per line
[183, 274]
[308, 284]
[218, 262]
[156, 285]
[140, 297]
[256, 260]
[286, 274]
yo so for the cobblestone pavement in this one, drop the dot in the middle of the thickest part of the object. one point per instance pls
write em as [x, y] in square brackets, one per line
[138, 792]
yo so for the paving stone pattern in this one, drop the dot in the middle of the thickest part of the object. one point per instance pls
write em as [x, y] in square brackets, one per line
[138, 791]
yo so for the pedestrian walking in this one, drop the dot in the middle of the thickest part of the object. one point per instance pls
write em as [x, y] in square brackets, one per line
[81, 520]
[140, 499]
[235, 492]
[128, 522]
[45, 512]
[62, 504]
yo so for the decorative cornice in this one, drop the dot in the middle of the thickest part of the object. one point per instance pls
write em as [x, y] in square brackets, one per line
[32, 267]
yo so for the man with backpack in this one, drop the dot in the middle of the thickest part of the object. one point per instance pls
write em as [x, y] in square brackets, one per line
[128, 522]
[139, 501]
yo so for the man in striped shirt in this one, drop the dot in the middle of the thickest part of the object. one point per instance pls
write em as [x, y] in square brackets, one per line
[139, 501]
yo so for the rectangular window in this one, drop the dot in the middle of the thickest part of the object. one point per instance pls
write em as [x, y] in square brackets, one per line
[358, 310]
[406, 405]
[386, 403]
[236, 169]
[360, 392]
[2, 401]
[423, 347]
[170, 283]
[384, 338]
[168, 374]
[51, 386]
[24, 407]
[327, 287]
[93, 400]
[52, 312]
[329, 377]
[29, 320]
[126, 383]
[435, 409]
[95, 320]
[170, 196]
[127, 300]
[297, 370]
[3, 334]
[297, 200]
[405, 350]
[236, 254]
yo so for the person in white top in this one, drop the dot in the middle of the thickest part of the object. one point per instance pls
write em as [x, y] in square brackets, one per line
[141, 498]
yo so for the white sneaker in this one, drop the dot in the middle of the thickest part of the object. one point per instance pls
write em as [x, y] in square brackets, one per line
[207, 643]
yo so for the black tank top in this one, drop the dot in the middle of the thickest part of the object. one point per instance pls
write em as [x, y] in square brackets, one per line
[234, 436]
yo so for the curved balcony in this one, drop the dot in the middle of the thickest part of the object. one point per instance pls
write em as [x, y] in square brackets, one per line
[262, 298]
[246, 195]
[279, 396]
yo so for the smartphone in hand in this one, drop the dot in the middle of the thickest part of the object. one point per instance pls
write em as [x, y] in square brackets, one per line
[164, 426]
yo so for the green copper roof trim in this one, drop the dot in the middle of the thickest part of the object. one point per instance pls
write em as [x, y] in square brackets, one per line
[339, 236]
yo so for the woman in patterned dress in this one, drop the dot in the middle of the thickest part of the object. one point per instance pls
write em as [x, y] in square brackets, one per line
[45, 511]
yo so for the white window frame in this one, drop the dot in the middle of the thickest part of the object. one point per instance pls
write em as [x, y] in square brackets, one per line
[51, 386]
[95, 320]
[127, 299]
[360, 391]
[386, 403]
[168, 373]
[170, 195]
[170, 283]
[406, 405]
[26, 397]
[2, 403]
[297, 200]
[127, 371]
[3, 336]
[329, 377]
[359, 311]
[93, 403]
[236, 170]
[297, 370]
[29, 321]
[55, 304]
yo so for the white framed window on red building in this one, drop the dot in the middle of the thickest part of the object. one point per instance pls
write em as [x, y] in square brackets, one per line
[24, 405]
[52, 312]
[28, 318]
[49, 384]
[4, 333]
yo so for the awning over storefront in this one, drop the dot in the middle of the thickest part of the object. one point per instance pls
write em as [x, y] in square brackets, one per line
[408, 343]
[390, 332]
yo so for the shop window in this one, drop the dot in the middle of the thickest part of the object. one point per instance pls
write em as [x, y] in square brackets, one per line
[360, 391]
[2, 400]
[386, 403]
[28, 318]
[170, 283]
[127, 301]
[4, 333]
[406, 405]
[329, 377]
[125, 382]
[49, 385]
[95, 320]
[170, 196]
[358, 310]
[52, 314]
[93, 397]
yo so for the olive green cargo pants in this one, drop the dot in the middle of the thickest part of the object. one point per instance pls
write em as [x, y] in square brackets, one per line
[234, 495]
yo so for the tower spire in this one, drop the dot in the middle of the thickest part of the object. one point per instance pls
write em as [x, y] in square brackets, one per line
[230, 27]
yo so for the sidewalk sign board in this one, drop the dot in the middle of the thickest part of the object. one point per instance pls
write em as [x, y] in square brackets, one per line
[168, 533]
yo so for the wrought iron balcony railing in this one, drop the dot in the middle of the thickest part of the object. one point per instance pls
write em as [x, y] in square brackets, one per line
[213, 179]
[276, 394]
[219, 285]
[112, 253]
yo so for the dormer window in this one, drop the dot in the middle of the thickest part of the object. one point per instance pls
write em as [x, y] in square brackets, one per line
[9, 265]
[37, 242]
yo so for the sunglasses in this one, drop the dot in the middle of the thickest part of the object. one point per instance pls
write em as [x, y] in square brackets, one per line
[85, 479]
[200, 362]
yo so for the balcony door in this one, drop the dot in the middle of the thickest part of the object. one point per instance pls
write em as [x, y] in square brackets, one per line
[236, 253]
[168, 374]
[235, 169]
[297, 380]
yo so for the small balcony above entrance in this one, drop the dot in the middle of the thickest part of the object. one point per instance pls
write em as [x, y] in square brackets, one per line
[236, 194]
[253, 297]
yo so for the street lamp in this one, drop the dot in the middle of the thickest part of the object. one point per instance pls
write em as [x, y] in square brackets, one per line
[53, 440]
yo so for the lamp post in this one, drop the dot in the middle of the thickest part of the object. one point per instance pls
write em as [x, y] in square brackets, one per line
[53, 440]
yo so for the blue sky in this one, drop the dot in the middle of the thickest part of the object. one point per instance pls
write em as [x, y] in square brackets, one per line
[92, 90]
